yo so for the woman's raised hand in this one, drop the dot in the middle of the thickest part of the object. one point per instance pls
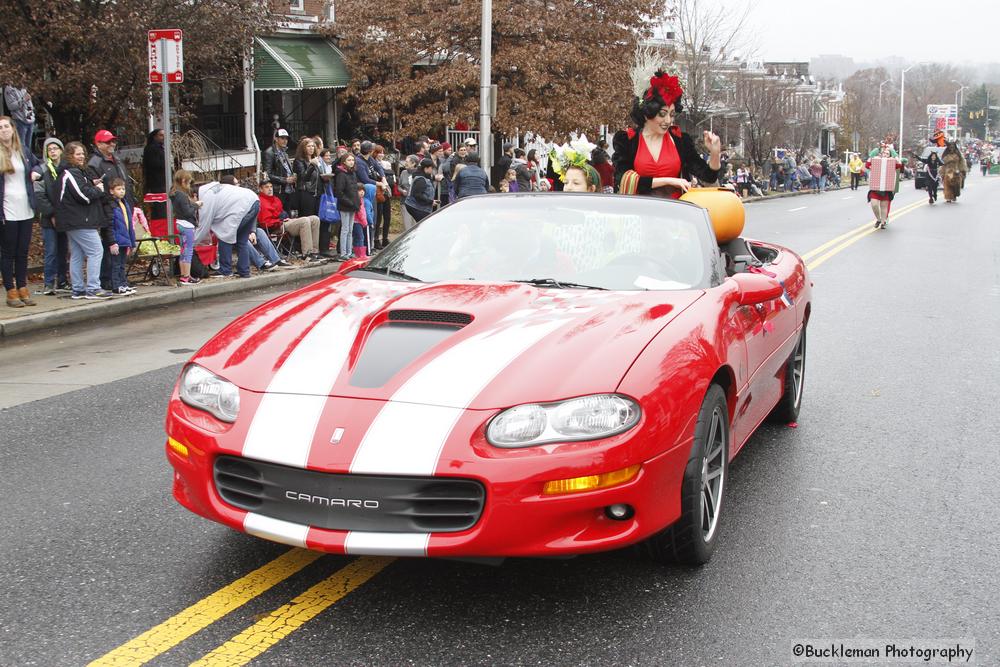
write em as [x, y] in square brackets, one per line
[712, 142]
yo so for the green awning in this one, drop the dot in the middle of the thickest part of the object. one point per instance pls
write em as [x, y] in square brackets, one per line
[298, 63]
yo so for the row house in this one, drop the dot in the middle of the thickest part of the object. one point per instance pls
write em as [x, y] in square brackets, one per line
[298, 83]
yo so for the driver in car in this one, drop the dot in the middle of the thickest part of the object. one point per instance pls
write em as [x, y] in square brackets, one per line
[509, 252]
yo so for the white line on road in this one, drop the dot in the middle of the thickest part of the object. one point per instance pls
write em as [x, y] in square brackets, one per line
[847, 197]
[793, 210]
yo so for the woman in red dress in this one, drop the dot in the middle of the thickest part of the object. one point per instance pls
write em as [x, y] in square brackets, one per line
[663, 158]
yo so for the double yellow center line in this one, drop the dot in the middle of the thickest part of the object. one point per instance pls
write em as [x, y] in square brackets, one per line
[262, 635]
[817, 256]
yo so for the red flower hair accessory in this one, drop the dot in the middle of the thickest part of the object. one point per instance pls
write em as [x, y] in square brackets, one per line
[669, 87]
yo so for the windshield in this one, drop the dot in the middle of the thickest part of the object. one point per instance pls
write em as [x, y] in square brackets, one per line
[559, 240]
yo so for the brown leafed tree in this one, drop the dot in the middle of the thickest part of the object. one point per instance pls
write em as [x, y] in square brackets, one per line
[85, 61]
[559, 65]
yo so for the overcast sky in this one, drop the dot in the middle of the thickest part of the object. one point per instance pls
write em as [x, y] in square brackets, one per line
[953, 31]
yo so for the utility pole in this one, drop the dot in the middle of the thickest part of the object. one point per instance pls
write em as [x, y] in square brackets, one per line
[986, 127]
[485, 66]
[902, 84]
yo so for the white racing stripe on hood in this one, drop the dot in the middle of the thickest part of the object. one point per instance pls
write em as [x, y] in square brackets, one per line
[275, 530]
[406, 437]
[285, 423]
[386, 544]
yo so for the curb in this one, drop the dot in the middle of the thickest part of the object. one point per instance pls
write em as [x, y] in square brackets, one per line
[781, 195]
[180, 294]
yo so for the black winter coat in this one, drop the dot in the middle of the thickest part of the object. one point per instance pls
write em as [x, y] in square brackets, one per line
[154, 167]
[626, 144]
[80, 203]
[345, 189]
[47, 194]
[308, 176]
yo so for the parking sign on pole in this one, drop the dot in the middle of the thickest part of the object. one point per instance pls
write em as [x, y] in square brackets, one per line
[166, 66]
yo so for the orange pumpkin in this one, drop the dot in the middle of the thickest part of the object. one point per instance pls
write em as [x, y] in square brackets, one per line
[725, 210]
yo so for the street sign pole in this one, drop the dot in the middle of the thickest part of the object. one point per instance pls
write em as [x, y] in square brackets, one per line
[168, 160]
[166, 66]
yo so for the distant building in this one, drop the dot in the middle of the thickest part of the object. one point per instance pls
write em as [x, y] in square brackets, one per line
[833, 67]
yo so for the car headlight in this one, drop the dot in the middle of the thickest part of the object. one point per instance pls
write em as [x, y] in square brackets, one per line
[204, 390]
[584, 418]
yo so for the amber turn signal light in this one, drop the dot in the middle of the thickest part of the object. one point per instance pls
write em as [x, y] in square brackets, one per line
[590, 482]
[178, 448]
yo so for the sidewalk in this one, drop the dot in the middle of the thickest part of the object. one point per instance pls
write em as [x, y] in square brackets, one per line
[57, 311]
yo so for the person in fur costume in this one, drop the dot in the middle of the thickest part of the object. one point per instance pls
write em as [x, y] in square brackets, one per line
[953, 172]
[654, 157]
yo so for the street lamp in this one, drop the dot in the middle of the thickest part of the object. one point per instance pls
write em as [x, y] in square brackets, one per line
[902, 83]
[957, 92]
[957, 107]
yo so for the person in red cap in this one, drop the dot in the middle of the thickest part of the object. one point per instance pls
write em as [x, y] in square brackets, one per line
[105, 165]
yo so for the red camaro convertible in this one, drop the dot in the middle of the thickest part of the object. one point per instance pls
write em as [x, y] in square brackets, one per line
[518, 375]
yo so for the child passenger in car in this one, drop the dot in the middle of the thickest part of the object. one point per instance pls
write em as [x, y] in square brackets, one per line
[581, 179]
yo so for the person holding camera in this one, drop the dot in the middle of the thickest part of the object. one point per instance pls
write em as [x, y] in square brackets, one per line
[420, 202]
[80, 213]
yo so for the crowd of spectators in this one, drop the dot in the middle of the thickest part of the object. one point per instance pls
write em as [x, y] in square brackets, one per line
[313, 203]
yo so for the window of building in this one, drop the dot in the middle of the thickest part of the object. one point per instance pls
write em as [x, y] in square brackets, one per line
[297, 5]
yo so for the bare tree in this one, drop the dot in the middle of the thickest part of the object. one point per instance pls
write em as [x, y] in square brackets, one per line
[759, 100]
[926, 84]
[708, 37]
[866, 112]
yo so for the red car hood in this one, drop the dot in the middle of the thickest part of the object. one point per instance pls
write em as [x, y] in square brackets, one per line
[486, 346]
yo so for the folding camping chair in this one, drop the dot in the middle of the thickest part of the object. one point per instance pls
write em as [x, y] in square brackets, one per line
[158, 266]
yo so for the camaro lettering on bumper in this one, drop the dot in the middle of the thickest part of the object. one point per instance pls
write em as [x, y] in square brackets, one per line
[332, 502]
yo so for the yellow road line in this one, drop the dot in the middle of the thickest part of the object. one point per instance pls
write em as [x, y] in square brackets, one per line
[284, 620]
[871, 230]
[857, 230]
[206, 611]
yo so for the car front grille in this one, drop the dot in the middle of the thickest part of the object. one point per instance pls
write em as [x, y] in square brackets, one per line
[350, 502]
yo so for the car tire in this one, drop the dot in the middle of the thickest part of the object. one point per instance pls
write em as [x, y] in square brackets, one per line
[692, 538]
[787, 409]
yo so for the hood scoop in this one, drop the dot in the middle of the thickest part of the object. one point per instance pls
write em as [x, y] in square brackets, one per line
[404, 336]
[430, 317]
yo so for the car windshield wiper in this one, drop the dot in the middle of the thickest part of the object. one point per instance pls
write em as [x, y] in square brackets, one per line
[552, 282]
[389, 272]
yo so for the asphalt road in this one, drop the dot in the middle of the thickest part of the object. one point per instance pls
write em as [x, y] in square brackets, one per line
[874, 518]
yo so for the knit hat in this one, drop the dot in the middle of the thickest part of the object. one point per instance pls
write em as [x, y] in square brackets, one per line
[51, 140]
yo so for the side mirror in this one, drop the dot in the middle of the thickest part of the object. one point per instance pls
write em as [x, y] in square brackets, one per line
[757, 288]
[351, 264]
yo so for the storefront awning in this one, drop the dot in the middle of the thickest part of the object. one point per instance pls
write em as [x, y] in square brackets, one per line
[298, 63]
